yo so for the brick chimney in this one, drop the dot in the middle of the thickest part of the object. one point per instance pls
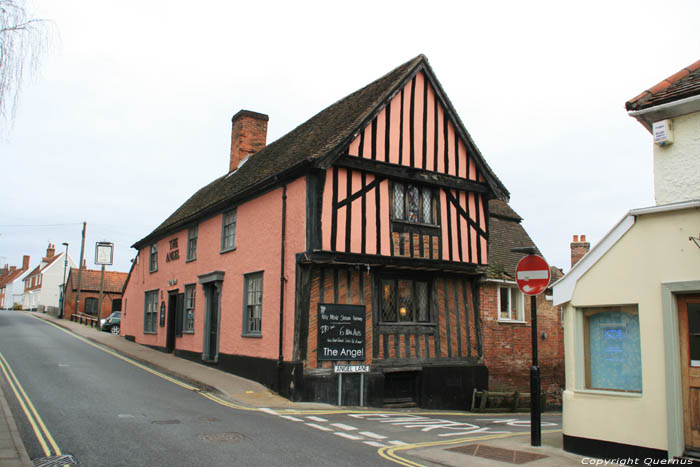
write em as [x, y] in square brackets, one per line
[51, 251]
[248, 136]
[579, 247]
[25, 262]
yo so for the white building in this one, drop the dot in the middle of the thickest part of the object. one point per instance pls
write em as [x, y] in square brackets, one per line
[13, 286]
[631, 305]
[42, 286]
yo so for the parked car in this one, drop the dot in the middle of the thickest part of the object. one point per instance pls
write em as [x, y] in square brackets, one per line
[111, 323]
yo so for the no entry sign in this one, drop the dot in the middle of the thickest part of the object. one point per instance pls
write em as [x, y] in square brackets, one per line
[532, 275]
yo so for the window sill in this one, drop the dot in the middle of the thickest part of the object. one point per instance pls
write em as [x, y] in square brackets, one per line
[255, 336]
[511, 321]
[151, 271]
[226, 250]
[187, 332]
[153, 333]
[190, 260]
[601, 392]
[419, 224]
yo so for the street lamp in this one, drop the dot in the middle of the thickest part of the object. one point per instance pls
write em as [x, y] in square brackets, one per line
[63, 298]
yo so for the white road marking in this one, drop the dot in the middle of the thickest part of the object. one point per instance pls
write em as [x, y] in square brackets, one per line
[369, 434]
[397, 443]
[375, 444]
[318, 427]
[342, 426]
[270, 411]
[348, 436]
[294, 419]
[317, 419]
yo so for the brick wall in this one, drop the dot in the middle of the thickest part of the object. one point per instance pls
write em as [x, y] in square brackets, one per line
[508, 346]
[106, 302]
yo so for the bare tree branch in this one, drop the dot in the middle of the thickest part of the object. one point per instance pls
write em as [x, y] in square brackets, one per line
[23, 43]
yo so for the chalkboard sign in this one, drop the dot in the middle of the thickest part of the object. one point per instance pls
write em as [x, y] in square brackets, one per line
[341, 332]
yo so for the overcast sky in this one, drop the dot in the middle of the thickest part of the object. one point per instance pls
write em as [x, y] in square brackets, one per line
[132, 111]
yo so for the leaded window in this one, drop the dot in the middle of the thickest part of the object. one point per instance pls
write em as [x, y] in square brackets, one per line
[412, 203]
[252, 304]
[405, 301]
[190, 291]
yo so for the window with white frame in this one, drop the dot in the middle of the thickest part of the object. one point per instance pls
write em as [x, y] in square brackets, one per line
[153, 265]
[511, 304]
[252, 304]
[228, 230]
[192, 234]
[150, 316]
[190, 291]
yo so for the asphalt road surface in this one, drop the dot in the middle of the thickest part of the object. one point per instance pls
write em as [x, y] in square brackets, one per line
[104, 411]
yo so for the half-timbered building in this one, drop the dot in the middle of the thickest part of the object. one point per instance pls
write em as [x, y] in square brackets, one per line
[374, 211]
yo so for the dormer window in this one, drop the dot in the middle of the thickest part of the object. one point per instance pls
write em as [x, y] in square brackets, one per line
[413, 203]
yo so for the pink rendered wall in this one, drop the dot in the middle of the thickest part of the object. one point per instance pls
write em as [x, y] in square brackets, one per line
[433, 131]
[258, 231]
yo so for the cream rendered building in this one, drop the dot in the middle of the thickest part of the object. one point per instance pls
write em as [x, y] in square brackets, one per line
[632, 305]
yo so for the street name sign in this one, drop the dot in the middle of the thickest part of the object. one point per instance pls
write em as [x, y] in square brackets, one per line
[532, 275]
[351, 369]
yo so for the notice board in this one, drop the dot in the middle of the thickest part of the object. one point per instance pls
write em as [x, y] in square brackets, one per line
[341, 332]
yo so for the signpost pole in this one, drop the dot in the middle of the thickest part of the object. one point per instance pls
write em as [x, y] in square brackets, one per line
[532, 276]
[362, 389]
[340, 389]
[535, 410]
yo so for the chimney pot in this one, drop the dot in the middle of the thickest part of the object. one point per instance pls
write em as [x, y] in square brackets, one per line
[579, 249]
[248, 136]
[25, 262]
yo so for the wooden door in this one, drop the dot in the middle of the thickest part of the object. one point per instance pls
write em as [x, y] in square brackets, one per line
[689, 327]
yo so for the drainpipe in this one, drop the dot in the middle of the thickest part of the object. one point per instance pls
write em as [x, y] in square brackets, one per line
[282, 281]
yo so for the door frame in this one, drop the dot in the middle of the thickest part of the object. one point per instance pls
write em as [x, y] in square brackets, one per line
[685, 375]
[211, 282]
[674, 390]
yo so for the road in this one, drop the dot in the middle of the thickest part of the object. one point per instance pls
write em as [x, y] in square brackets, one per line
[105, 411]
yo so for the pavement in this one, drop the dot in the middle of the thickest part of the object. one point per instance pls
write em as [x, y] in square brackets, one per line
[488, 452]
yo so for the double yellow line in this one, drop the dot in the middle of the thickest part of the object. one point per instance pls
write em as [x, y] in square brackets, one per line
[42, 433]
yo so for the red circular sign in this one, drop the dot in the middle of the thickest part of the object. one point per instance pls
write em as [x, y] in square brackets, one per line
[532, 275]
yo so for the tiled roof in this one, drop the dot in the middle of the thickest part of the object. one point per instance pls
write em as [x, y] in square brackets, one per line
[324, 135]
[34, 271]
[11, 276]
[685, 83]
[505, 233]
[90, 280]
[50, 261]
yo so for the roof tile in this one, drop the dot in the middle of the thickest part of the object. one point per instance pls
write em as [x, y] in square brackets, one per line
[682, 84]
